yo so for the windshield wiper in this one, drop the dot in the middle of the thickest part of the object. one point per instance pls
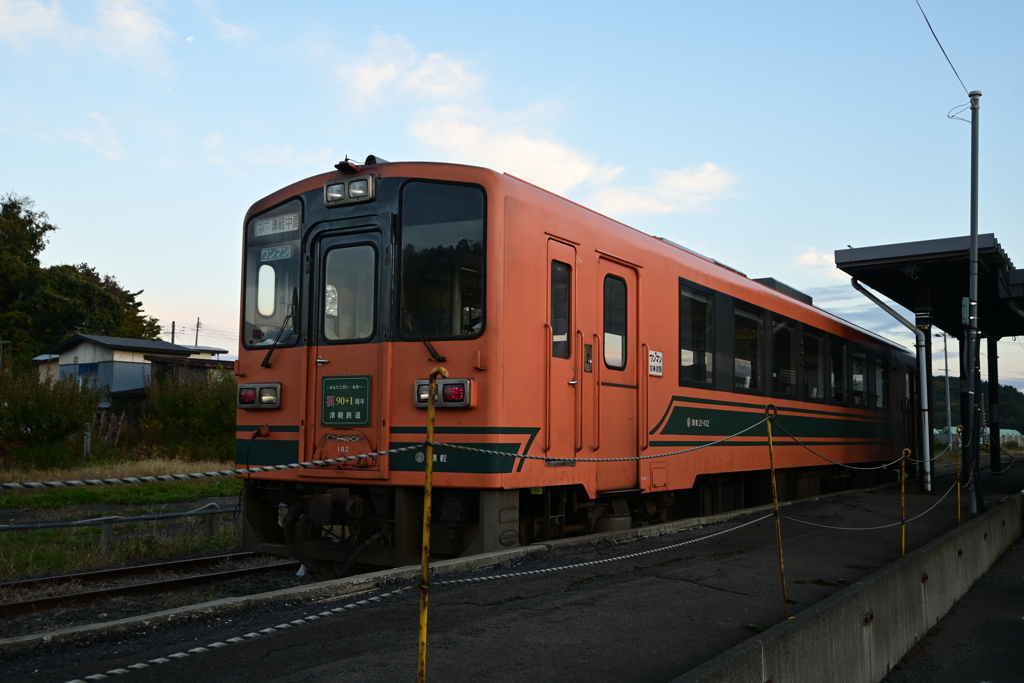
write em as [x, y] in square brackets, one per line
[438, 358]
[284, 323]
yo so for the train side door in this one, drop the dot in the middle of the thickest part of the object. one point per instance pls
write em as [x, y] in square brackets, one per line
[349, 384]
[619, 374]
[564, 366]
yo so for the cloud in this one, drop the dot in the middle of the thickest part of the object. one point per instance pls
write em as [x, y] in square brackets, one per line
[100, 136]
[393, 67]
[822, 264]
[239, 158]
[232, 33]
[516, 142]
[498, 141]
[128, 31]
[25, 20]
[125, 30]
[685, 189]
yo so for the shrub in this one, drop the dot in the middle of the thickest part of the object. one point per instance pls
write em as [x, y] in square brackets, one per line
[193, 413]
[37, 415]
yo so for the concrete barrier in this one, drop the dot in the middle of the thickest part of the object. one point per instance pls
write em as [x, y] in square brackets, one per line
[860, 633]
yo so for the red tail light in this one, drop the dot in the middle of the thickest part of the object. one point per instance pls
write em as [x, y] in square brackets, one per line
[247, 396]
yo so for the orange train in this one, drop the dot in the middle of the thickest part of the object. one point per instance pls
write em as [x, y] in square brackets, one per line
[566, 335]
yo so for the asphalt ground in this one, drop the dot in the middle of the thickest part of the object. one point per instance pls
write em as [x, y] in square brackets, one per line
[649, 617]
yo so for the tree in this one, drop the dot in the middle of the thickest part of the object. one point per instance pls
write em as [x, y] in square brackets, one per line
[41, 307]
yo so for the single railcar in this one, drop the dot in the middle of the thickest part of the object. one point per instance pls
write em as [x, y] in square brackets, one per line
[566, 335]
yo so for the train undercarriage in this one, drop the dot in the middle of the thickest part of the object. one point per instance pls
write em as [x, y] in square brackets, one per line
[338, 530]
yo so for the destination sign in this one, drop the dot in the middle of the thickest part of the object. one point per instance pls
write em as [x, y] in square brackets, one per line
[275, 224]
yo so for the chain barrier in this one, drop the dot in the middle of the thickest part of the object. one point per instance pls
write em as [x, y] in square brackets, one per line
[377, 598]
[348, 458]
[874, 528]
[834, 462]
[240, 639]
[633, 458]
[200, 475]
[591, 563]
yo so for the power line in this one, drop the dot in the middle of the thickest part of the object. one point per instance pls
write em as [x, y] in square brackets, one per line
[940, 47]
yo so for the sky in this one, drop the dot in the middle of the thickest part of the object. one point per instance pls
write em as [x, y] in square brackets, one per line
[764, 135]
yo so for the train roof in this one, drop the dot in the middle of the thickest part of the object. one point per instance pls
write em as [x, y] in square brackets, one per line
[381, 168]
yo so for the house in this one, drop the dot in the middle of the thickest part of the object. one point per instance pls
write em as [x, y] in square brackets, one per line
[117, 363]
[48, 366]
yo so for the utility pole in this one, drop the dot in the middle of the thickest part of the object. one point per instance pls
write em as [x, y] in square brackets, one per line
[172, 331]
[197, 331]
[972, 469]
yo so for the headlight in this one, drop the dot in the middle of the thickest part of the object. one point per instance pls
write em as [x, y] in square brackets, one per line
[348, 191]
[268, 395]
[359, 188]
[335, 192]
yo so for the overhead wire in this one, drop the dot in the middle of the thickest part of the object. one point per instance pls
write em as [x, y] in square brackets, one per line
[941, 48]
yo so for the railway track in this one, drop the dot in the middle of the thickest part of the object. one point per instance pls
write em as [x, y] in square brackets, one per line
[144, 588]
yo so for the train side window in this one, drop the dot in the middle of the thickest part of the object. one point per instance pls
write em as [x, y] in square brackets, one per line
[615, 322]
[859, 383]
[748, 349]
[783, 356]
[814, 365]
[837, 370]
[696, 336]
[881, 384]
[560, 297]
[350, 274]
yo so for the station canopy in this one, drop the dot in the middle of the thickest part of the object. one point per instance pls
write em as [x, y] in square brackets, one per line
[931, 278]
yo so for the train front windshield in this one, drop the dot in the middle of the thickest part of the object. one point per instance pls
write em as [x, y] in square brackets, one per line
[439, 279]
[272, 277]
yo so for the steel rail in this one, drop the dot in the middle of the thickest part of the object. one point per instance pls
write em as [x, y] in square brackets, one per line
[122, 572]
[40, 604]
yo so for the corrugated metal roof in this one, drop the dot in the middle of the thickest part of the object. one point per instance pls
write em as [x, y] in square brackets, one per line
[124, 344]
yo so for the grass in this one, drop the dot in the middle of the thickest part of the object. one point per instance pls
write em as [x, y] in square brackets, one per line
[47, 551]
[50, 551]
[156, 493]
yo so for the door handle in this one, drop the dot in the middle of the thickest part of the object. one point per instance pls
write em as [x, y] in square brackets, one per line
[573, 383]
[320, 361]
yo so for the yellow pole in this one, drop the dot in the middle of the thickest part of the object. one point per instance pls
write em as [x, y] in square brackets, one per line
[428, 482]
[771, 411]
[903, 501]
[959, 459]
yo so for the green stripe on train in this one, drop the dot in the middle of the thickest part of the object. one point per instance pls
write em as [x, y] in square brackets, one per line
[710, 423]
[453, 460]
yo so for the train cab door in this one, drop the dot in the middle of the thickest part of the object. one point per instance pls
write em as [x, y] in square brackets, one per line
[618, 393]
[348, 397]
[564, 365]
